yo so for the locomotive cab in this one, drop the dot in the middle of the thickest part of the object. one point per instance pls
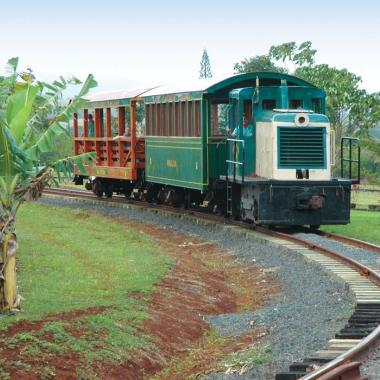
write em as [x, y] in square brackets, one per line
[282, 172]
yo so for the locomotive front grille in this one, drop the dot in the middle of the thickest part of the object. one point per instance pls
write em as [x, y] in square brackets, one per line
[301, 147]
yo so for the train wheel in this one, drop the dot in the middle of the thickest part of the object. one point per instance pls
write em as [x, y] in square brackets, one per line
[99, 193]
[108, 193]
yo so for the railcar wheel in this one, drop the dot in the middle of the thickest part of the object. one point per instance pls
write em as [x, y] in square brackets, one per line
[108, 193]
[99, 193]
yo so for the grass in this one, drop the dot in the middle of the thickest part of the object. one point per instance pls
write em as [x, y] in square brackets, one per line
[370, 187]
[72, 260]
[365, 225]
[365, 198]
[260, 353]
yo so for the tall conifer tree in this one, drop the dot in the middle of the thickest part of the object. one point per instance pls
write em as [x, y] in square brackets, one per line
[205, 71]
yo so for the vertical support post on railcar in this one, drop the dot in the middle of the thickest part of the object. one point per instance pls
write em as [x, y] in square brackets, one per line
[133, 135]
[108, 122]
[108, 137]
[85, 123]
[97, 122]
[121, 127]
[75, 133]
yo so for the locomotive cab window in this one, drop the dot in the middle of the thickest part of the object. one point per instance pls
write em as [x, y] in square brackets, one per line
[295, 104]
[219, 119]
[269, 104]
[316, 104]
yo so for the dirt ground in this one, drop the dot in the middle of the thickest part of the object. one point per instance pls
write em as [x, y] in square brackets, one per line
[204, 280]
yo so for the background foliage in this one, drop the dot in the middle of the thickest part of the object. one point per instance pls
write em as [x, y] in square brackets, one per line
[351, 110]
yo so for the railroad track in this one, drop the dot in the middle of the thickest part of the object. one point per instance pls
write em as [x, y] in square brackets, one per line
[342, 357]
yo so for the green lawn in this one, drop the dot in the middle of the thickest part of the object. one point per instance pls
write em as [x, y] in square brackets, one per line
[365, 198]
[365, 225]
[74, 260]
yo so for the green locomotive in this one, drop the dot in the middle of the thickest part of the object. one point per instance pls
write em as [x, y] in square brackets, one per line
[255, 146]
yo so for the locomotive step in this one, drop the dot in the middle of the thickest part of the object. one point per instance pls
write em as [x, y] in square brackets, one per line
[290, 375]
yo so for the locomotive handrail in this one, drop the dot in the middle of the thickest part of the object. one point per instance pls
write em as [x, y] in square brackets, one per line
[234, 162]
[350, 159]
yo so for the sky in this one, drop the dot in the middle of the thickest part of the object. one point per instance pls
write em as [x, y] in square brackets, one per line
[137, 44]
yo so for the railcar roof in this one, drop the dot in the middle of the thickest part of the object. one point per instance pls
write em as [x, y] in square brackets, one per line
[116, 95]
[196, 88]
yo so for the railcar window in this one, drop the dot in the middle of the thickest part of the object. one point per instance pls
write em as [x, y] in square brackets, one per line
[219, 119]
[176, 119]
[317, 105]
[190, 122]
[163, 124]
[170, 119]
[158, 120]
[148, 119]
[114, 122]
[81, 121]
[269, 104]
[154, 120]
[295, 104]
[183, 118]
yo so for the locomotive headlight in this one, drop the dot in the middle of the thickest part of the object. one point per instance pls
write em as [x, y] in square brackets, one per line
[301, 120]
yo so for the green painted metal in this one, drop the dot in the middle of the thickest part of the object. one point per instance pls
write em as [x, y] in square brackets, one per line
[301, 148]
[248, 80]
[176, 161]
[217, 157]
[289, 117]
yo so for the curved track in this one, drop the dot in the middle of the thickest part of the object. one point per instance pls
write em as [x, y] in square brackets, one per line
[342, 358]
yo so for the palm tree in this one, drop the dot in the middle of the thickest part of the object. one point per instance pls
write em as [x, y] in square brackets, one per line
[30, 121]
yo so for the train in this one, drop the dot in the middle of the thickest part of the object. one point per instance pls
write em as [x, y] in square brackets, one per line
[256, 146]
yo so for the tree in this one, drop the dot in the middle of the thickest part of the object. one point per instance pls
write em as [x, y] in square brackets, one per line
[205, 71]
[257, 63]
[25, 134]
[350, 109]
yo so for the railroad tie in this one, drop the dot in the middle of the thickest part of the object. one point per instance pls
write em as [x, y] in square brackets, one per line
[363, 321]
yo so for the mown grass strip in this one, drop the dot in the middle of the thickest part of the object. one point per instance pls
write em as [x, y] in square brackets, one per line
[365, 225]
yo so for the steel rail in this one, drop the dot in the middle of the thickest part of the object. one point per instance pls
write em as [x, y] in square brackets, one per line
[350, 241]
[366, 345]
[345, 362]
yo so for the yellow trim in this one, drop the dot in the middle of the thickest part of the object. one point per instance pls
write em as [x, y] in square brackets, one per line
[173, 147]
[207, 137]
[177, 180]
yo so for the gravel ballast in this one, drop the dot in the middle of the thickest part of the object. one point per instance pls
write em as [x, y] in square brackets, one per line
[309, 310]
[361, 255]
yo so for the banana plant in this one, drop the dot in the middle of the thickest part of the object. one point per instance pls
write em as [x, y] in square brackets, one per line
[31, 119]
